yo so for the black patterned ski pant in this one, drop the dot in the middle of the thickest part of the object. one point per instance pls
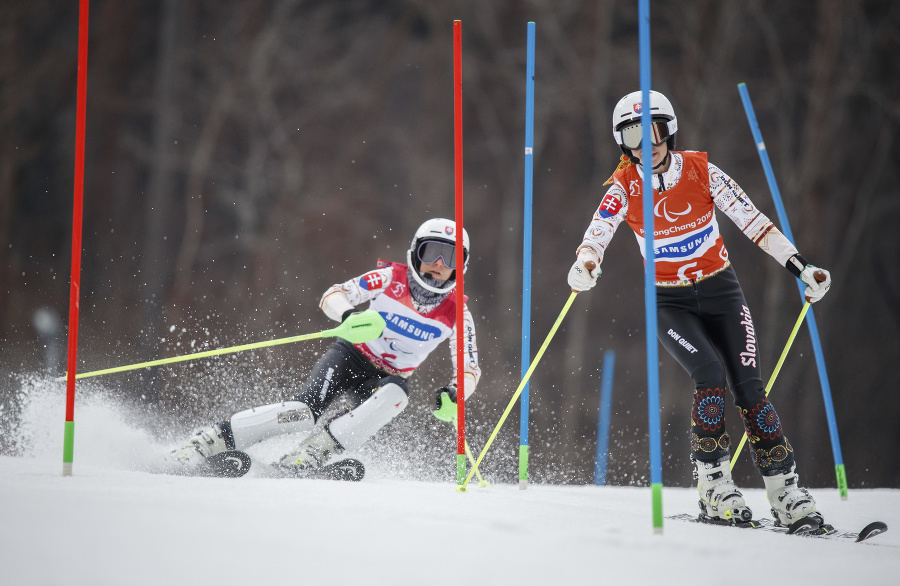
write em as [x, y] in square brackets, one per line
[343, 370]
[708, 329]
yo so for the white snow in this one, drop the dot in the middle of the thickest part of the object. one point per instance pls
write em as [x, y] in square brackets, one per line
[113, 522]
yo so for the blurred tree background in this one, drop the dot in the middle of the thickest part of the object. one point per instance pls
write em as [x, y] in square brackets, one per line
[242, 156]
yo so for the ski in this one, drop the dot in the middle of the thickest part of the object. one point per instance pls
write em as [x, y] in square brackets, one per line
[805, 527]
[707, 520]
[348, 469]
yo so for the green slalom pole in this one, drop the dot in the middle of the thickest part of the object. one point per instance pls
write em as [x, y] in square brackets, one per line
[356, 329]
[775, 372]
[481, 481]
[537, 359]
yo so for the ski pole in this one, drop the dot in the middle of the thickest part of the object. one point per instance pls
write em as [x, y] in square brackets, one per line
[537, 359]
[356, 329]
[775, 372]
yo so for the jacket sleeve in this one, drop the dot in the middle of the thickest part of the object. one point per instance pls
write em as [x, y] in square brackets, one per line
[347, 295]
[731, 199]
[611, 212]
[472, 372]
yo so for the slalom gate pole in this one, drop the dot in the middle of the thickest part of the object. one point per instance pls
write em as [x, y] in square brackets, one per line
[526, 255]
[534, 363]
[460, 291]
[361, 327]
[609, 365]
[650, 272]
[775, 372]
[77, 220]
[840, 470]
[481, 481]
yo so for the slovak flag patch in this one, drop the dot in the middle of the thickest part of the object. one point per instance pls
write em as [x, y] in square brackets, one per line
[610, 206]
[637, 108]
[371, 281]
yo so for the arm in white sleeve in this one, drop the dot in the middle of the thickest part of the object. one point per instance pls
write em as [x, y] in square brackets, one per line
[731, 199]
[335, 303]
[609, 215]
[347, 295]
[472, 372]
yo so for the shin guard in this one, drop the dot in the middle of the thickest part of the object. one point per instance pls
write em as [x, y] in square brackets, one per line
[254, 425]
[352, 429]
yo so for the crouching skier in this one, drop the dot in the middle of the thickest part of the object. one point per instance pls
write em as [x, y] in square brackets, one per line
[418, 303]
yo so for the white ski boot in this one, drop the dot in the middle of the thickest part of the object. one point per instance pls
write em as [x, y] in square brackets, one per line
[205, 442]
[720, 499]
[789, 502]
[313, 453]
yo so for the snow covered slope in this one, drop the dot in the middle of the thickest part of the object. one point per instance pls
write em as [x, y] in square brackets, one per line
[114, 522]
[106, 525]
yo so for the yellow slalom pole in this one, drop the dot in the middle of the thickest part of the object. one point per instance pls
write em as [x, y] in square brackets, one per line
[775, 373]
[537, 359]
[357, 328]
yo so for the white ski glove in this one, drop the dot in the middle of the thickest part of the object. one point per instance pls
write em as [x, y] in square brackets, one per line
[818, 282]
[583, 274]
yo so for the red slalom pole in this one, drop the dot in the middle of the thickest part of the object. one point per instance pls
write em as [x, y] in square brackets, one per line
[460, 291]
[77, 214]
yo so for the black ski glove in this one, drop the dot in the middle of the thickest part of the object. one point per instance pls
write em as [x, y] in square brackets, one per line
[445, 403]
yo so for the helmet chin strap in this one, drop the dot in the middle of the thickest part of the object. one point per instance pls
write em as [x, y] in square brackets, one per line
[663, 162]
[638, 162]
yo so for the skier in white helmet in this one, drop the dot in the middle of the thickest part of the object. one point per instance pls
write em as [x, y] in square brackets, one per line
[418, 303]
[703, 319]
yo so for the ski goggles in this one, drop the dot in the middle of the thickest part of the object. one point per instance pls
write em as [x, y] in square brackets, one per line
[431, 250]
[634, 133]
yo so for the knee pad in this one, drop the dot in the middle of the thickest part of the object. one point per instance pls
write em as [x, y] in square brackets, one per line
[709, 376]
[749, 394]
[254, 425]
[352, 429]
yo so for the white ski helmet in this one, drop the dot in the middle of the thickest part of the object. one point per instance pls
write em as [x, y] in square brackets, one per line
[628, 111]
[439, 230]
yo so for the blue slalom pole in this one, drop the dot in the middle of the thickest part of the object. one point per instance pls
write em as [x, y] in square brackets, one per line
[526, 257]
[650, 270]
[840, 471]
[602, 456]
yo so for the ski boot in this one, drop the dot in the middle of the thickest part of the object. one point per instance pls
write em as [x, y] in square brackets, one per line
[720, 500]
[312, 454]
[205, 443]
[789, 502]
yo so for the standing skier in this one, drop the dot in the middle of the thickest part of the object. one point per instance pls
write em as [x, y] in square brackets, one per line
[703, 320]
[418, 303]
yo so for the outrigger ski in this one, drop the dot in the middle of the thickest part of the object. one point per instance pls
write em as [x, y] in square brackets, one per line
[348, 469]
